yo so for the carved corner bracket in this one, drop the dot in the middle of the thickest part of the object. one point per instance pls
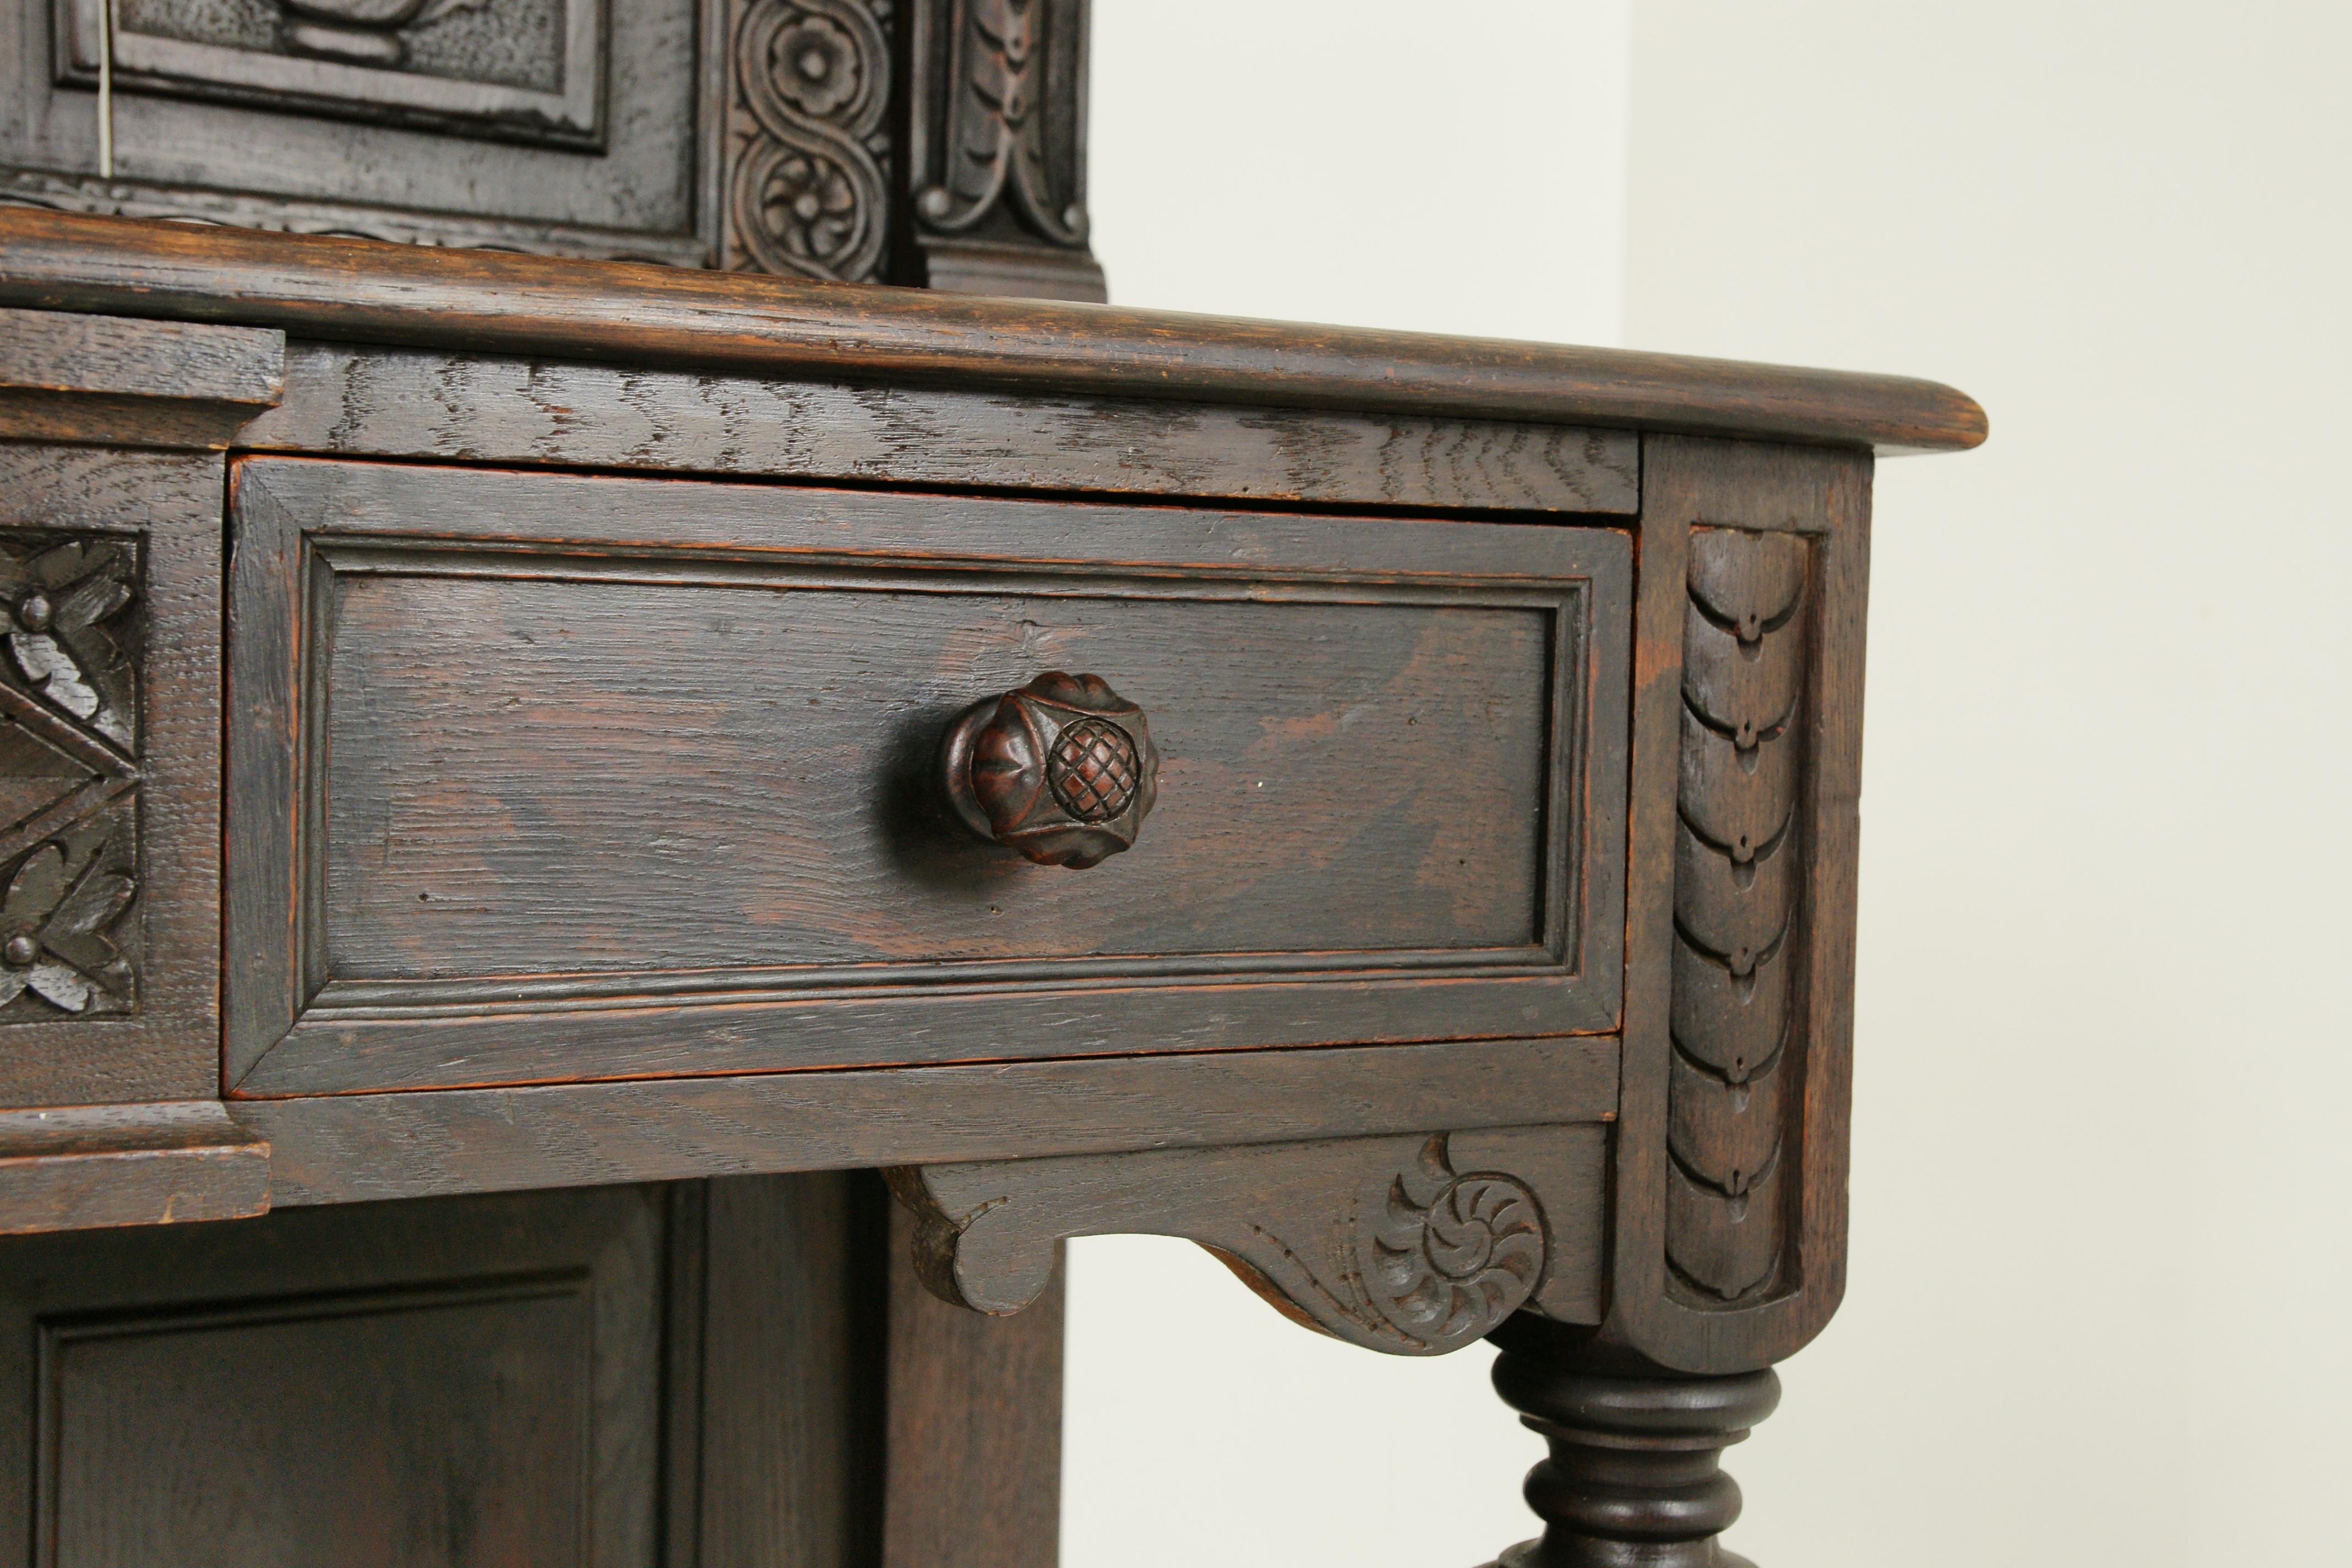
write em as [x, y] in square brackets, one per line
[1411, 1245]
[996, 161]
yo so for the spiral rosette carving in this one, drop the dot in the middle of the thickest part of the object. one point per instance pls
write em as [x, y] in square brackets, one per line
[1451, 1257]
[807, 193]
[1736, 888]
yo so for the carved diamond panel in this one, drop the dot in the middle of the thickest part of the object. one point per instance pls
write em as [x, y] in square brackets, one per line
[69, 775]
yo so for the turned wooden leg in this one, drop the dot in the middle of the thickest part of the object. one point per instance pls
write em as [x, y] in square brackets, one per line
[1632, 1481]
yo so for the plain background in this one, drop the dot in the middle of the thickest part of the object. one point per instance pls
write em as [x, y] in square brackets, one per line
[2100, 1257]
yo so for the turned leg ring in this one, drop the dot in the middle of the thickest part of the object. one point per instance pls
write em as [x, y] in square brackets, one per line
[1632, 1481]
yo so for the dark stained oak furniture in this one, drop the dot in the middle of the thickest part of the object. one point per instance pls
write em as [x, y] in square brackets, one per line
[525, 776]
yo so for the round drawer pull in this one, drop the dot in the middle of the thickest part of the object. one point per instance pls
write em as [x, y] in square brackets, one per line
[1063, 770]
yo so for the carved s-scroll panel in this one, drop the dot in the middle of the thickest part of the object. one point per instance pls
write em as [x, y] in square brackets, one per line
[70, 748]
[807, 144]
[1413, 1245]
[1736, 908]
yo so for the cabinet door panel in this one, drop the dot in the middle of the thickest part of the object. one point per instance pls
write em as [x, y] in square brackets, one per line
[434, 1384]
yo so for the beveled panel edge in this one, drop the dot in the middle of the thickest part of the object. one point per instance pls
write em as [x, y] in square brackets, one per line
[491, 301]
[122, 382]
[88, 1167]
[363, 1147]
[334, 1055]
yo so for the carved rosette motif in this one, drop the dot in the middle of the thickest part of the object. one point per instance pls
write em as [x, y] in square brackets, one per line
[1737, 872]
[806, 188]
[1379, 1241]
[69, 775]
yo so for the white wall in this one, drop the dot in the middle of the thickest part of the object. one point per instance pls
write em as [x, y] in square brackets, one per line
[1382, 163]
[2099, 1258]
[2100, 1252]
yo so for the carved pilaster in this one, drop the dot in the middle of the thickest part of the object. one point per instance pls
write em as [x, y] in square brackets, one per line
[996, 147]
[1736, 895]
[807, 143]
[1633, 1476]
[1414, 1245]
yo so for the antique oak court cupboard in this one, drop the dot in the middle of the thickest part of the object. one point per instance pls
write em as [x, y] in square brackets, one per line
[536, 758]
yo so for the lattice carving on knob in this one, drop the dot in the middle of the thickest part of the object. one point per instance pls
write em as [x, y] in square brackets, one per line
[1094, 769]
[1735, 907]
[1063, 770]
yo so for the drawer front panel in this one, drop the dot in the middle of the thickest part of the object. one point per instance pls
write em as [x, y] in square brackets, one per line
[540, 777]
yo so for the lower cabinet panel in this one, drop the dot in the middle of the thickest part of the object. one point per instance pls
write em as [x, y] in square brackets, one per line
[628, 1375]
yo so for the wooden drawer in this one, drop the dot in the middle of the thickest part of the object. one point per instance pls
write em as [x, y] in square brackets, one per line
[539, 778]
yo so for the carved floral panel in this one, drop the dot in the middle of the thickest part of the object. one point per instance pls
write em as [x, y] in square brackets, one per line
[807, 143]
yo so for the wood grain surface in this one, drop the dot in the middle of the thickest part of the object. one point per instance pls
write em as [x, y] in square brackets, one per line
[488, 302]
[354, 1148]
[973, 1445]
[57, 351]
[87, 1167]
[486, 408]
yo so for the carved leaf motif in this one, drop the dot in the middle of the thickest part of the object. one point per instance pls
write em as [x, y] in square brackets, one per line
[53, 922]
[1748, 580]
[1736, 887]
[59, 604]
[996, 133]
[68, 718]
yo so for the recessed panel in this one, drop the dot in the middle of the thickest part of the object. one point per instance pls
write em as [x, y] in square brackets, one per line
[543, 776]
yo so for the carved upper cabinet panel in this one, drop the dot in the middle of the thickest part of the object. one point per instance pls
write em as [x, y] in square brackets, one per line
[566, 127]
[529, 70]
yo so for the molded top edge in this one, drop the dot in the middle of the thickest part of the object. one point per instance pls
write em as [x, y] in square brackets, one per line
[497, 302]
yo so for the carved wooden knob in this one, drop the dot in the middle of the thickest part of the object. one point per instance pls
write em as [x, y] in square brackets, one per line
[1062, 770]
